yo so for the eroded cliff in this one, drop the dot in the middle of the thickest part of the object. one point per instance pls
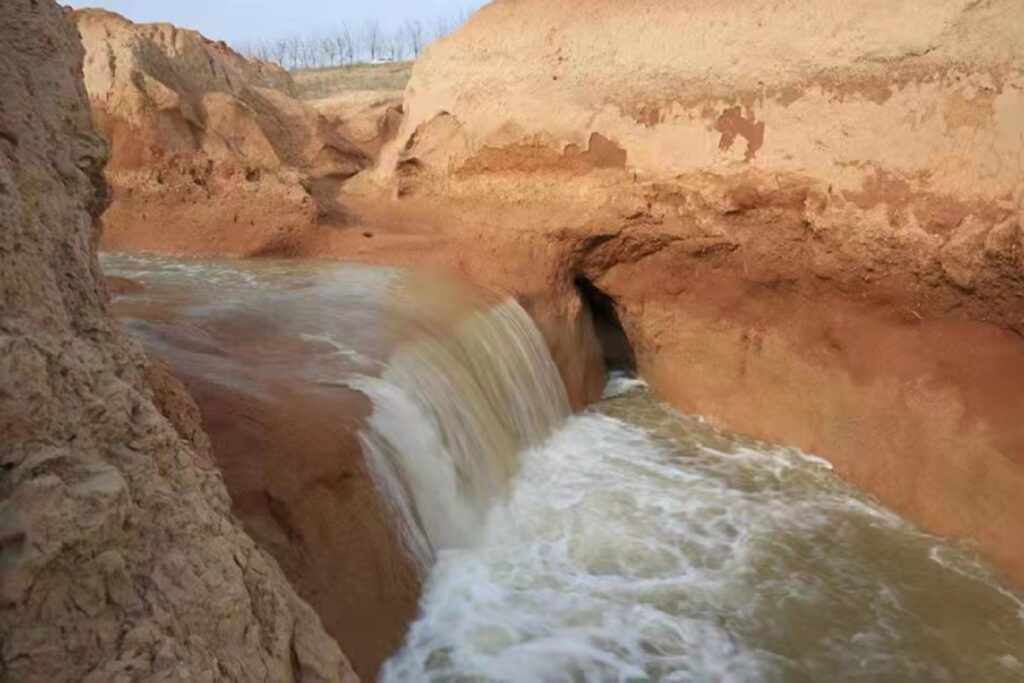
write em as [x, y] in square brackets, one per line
[120, 559]
[807, 214]
[209, 151]
[807, 217]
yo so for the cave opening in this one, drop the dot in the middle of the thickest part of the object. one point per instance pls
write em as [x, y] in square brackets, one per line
[616, 350]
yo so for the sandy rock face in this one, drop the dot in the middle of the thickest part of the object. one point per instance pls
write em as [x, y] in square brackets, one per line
[849, 94]
[120, 559]
[808, 213]
[368, 118]
[209, 152]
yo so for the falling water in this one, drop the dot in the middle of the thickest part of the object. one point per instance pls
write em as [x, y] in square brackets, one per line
[638, 544]
[452, 412]
[627, 543]
[632, 543]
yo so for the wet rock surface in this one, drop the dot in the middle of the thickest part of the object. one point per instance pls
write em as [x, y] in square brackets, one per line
[808, 216]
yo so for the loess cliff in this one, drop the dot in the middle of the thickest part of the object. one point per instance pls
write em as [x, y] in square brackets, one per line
[120, 558]
[211, 154]
[209, 150]
[807, 214]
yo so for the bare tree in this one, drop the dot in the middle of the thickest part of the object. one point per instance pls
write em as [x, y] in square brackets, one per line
[328, 51]
[263, 51]
[413, 33]
[345, 46]
[396, 45]
[442, 27]
[387, 46]
[279, 51]
[311, 54]
[342, 40]
[293, 52]
[351, 47]
[373, 39]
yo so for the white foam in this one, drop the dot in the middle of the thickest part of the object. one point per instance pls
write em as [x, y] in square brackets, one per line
[620, 383]
[968, 566]
[634, 544]
[620, 557]
[451, 412]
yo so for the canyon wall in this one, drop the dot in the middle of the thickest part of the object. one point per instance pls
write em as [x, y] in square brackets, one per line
[120, 559]
[211, 154]
[808, 214]
[209, 150]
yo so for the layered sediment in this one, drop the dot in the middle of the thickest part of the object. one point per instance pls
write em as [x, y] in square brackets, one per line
[808, 216]
[120, 558]
[209, 150]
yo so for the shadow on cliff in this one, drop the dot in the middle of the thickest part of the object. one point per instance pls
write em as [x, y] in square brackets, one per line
[616, 351]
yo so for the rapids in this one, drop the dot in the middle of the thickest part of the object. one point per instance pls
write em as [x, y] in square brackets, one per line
[639, 544]
[626, 543]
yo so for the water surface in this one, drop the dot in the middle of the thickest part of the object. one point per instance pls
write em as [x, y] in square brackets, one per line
[639, 544]
[627, 543]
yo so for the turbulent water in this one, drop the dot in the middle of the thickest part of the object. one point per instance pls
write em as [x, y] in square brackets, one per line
[641, 545]
[451, 413]
[628, 543]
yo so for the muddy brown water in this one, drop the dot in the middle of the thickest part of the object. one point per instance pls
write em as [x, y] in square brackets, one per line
[257, 344]
[627, 543]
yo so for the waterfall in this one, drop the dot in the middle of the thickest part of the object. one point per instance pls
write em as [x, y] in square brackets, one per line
[629, 542]
[451, 413]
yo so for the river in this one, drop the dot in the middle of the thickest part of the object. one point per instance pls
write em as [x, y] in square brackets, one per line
[626, 543]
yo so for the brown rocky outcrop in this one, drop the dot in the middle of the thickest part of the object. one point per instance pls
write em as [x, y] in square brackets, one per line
[208, 149]
[369, 119]
[120, 559]
[809, 215]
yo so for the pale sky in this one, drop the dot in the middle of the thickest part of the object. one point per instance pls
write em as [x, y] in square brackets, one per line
[242, 21]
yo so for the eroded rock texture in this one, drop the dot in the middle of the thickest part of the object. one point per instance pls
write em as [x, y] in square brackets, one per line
[209, 151]
[119, 559]
[809, 215]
